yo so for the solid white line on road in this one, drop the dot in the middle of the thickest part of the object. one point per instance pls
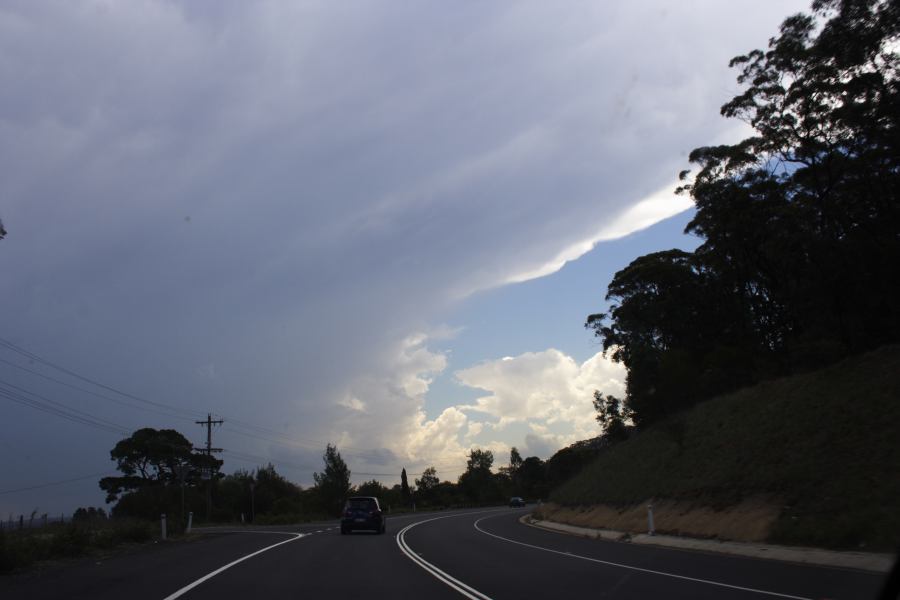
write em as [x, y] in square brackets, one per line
[250, 531]
[641, 569]
[456, 584]
[191, 586]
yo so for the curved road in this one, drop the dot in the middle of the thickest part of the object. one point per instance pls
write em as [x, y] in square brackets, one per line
[475, 554]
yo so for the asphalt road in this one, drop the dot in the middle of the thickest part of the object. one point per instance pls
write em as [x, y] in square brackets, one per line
[476, 554]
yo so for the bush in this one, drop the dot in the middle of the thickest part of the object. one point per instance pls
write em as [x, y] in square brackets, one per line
[19, 549]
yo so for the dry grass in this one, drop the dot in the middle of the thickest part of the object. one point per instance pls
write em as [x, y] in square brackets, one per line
[748, 521]
[820, 449]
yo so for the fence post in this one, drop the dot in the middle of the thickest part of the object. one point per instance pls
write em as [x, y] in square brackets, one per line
[651, 529]
[163, 520]
[190, 522]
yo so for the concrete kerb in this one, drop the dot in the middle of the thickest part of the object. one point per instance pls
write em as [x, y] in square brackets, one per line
[864, 561]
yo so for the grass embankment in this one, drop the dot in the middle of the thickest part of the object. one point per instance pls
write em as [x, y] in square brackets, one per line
[22, 548]
[814, 457]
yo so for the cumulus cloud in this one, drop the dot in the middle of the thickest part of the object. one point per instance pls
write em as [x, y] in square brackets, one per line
[544, 389]
[549, 385]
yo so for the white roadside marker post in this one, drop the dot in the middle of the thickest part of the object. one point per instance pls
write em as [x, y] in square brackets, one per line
[190, 522]
[651, 529]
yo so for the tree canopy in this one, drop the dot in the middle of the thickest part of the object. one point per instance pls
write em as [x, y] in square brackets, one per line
[428, 482]
[799, 222]
[477, 483]
[405, 493]
[333, 483]
[154, 457]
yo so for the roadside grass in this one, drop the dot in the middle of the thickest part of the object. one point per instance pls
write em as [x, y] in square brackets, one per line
[20, 549]
[824, 445]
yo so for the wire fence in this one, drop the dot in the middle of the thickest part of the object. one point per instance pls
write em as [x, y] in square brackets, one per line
[33, 521]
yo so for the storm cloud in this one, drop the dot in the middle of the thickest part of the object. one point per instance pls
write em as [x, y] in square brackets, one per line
[264, 210]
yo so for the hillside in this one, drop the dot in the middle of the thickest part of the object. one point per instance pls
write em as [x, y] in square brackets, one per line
[820, 449]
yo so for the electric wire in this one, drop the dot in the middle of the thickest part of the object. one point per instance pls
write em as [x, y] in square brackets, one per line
[54, 409]
[9, 345]
[240, 423]
[170, 411]
[54, 483]
[171, 414]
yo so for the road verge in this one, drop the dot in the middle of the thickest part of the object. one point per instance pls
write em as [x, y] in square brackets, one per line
[864, 561]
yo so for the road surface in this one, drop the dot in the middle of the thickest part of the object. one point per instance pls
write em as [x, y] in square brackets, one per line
[474, 554]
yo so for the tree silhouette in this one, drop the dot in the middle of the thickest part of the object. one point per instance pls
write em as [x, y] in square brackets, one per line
[800, 227]
[153, 458]
[333, 483]
[405, 494]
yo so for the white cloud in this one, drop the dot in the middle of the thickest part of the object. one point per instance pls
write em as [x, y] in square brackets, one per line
[653, 209]
[544, 388]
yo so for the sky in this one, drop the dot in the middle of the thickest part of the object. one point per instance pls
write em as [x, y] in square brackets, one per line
[377, 224]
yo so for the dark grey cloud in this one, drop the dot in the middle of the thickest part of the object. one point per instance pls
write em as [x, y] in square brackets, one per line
[249, 208]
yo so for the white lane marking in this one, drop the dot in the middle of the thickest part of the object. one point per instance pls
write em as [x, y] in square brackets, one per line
[641, 569]
[456, 584]
[191, 586]
[251, 531]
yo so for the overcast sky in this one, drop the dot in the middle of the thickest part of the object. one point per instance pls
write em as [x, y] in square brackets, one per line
[335, 221]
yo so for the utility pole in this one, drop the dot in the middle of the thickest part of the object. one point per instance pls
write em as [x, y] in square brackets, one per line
[209, 450]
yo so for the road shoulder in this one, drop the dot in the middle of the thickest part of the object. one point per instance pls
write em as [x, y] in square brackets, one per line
[865, 561]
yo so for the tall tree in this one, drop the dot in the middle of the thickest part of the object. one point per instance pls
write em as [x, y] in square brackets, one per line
[800, 219]
[405, 494]
[479, 460]
[151, 458]
[333, 483]
[477, 482]
[612, 414]
[515, 460]
[800, 227]
[428, 482]
[531, 478]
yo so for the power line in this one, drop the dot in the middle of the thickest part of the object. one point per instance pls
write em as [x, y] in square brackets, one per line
[60, 405]
[9, 345]
[93, 393]
[280, 438]
[84, 418]
[52, 483]
[34, 357]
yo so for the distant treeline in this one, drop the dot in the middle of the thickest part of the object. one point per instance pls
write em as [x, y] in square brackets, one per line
[800, 260]
[161, 472]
